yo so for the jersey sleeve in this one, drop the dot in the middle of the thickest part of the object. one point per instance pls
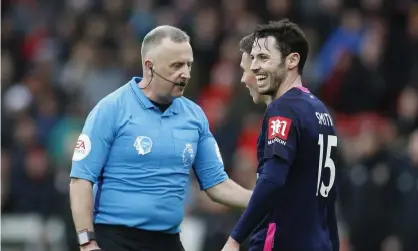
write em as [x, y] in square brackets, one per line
[208, 165]
[282, 134]
[93, 144]
[280, 125]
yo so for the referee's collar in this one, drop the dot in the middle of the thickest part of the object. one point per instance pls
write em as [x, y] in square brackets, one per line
[144, 100]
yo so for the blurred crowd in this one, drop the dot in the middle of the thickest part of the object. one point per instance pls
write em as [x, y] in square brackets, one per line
[59, 58]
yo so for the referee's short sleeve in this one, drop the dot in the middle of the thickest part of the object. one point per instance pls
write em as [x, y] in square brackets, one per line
[92, 147]
[208, 165]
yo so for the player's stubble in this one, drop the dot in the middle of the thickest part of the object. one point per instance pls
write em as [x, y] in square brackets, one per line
[276, 79]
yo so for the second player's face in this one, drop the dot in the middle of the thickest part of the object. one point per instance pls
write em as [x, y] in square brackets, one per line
[248, 77]
[267, 65]
[174, 63]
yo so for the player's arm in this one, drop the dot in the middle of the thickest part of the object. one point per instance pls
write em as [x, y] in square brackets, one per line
[211, 175]
[89, 158]
[279, 156]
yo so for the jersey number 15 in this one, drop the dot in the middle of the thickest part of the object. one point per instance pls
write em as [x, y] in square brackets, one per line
[329, 163]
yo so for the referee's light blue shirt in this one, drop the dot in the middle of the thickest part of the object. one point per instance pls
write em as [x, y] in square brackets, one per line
[140, 159]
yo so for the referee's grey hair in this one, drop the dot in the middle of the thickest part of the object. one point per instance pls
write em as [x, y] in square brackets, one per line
[155, 36]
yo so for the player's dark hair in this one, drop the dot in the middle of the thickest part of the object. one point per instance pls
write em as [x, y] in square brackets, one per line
[289, 37]
[246, 44]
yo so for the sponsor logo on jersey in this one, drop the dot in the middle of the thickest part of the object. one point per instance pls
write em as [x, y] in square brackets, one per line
[278, 130]
[279, 127]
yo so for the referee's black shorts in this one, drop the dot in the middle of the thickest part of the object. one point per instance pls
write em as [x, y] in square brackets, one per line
[121, 238]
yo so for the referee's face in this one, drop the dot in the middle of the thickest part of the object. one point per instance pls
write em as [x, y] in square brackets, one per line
[173, 62]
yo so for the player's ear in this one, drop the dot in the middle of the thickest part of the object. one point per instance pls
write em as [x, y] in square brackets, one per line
[292, 60]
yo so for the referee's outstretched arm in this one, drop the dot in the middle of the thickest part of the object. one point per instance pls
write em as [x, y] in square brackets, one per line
[209, 169]
[229, 194]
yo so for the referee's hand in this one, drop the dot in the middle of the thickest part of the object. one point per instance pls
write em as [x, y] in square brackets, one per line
[92, 246]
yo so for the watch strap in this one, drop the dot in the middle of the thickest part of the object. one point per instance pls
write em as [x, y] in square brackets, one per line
[85, 236]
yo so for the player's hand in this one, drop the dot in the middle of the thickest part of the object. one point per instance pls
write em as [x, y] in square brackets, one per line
[92, 246]
[231, 245]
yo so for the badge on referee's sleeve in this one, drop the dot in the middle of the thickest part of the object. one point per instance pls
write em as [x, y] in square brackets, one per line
[83, 147]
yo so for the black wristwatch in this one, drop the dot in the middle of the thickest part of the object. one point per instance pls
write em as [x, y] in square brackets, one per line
[85, 236]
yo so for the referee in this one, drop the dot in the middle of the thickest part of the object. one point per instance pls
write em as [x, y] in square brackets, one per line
[132, 161]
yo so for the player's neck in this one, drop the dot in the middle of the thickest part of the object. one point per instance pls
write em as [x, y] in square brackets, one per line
[292, 80]
[268, 100]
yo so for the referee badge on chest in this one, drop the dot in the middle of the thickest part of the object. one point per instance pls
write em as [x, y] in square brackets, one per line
[143, 145]
[188, 155]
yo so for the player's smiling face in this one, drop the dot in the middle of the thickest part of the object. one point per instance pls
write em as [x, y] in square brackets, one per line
[267, 65]
[174, 63]
[250, 82]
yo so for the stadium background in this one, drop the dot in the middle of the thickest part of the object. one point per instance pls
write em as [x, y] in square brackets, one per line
[59, 58]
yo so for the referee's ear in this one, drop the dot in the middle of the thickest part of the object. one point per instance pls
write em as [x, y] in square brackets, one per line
[148, 65]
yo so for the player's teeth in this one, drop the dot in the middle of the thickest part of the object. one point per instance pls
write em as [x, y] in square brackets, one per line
[259, 78]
